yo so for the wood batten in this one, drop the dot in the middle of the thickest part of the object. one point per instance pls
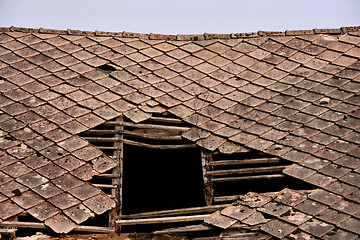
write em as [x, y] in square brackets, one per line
[238, 173]
[155, 133]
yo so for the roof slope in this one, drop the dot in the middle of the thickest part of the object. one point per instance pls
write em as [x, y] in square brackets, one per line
[294, 95]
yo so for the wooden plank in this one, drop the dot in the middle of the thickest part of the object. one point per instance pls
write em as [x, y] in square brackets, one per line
[106, 148]
[195, 228]
[101, 131]
[206, 159]
[152, 136]
[247, 170]
[146, 145]
[162, 220]
[250, 178]
[165, 120]
[43, 226]
[152, 126]
[8, 230]
[245, 161]
[173, 212]
[106, 175]
[102, 139]
[117, 171]
[186, 229]
[105, 186]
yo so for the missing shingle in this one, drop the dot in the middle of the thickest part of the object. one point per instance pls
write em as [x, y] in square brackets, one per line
[106, 67]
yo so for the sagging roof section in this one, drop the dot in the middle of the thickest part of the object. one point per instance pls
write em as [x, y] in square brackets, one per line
[294, 95]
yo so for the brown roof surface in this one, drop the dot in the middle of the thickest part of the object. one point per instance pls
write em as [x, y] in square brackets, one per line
[292, 94]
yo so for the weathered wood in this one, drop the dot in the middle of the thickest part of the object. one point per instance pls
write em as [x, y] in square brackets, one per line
[119, 170]
[186, 229]
[102, 139]
[195, 228]
[106, 148]
[247, 170]
[8, 230]
[43, 226]
[106, 175]
[245, 161]
[146, 145]
[105, 186]
[173, 212]
[236, 197]
[151, 136]
[206, 159]
[152, 126]
[239, 236]
[165, 120]
[162, 220]
[101, 131]
[250, 178]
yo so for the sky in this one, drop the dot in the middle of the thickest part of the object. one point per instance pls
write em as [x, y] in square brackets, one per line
[181, 16]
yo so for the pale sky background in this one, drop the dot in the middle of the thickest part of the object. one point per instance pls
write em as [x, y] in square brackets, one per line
[181, 16]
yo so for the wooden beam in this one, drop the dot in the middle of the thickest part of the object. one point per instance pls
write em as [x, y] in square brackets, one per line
[247, 170]
[186, 229]
[206, 159]
[196, 228]
[165, 120]
[105, 186]
[43, 226]
[162, 220]
[146, 145]
[100, 131]
[102, 139]
[246, 161]
[152, 126]
[151, 136]
[250, 178]
[106, 175]
[173, 212]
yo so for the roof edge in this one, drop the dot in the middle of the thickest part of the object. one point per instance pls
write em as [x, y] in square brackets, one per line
[185, 37]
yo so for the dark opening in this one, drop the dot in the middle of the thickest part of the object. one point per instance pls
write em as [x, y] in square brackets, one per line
[107, 68]
[161, 179]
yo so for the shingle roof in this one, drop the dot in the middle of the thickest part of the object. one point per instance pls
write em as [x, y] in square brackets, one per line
[292, 94]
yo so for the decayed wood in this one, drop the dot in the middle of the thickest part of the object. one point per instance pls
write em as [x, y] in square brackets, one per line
[8, 230]
[153, 126]
[101, 131]
[250, 178]
[187, 229]
[206, 159]
[105, 186]
[151, 136]
[195, 228]
[173, 212]
[165, 120]
[247, 170]
[236, 197]
[102, 139]
[43, 226]
[245, 161]
[146, 145]
[117, 171]
[162, 220]
[106, 175]
[239, 236]
[106, 148]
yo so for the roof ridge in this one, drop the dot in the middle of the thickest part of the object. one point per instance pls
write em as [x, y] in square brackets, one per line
[185, 37]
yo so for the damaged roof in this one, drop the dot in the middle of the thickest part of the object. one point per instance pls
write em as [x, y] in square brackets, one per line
[292, 94]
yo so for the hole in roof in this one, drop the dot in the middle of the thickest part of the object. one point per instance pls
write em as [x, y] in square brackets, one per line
[106, 67]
